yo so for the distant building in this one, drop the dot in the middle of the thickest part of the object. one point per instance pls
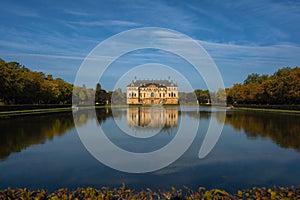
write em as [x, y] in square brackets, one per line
[149, 92]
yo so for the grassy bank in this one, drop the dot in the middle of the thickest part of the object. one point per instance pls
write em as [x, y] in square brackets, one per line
[32, 106]
[268, 106]
[22, 112]
[268, 110]
[275, 192]
[33, 112]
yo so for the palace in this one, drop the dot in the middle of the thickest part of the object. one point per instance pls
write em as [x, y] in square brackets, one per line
[149, 92]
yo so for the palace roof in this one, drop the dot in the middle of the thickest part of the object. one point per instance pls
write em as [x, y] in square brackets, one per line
[143, 83]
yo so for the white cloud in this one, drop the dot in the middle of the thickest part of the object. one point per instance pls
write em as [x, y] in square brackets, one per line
[64, 57]
[281, 53]
[76, 13]
[105, 23]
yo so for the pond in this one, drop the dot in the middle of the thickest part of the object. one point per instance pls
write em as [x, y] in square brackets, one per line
[254, 149]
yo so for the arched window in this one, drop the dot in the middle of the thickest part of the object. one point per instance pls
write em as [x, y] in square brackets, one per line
[152, 94]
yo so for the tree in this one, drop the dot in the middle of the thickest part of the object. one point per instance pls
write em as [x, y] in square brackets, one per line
[283, 87]
[98, 87]
[101, 96]
[203, 96]
[19, 85]
[118, 97]
[255, 78]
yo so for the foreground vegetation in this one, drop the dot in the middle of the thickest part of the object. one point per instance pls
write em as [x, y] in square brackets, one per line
[124, 193]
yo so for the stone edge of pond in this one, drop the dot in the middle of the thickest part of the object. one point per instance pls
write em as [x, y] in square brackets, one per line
[276, 192]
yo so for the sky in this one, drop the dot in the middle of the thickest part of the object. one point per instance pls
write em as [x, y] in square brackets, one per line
[241, 37]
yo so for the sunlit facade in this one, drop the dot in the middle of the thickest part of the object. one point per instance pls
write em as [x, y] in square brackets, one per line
[149, 92]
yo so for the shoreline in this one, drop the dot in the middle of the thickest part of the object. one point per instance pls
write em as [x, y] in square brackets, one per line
[270, 110]
[52, 109]
[6, 114]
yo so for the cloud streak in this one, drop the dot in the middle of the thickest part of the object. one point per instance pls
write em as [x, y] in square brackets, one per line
[105, 23]
[282, 54]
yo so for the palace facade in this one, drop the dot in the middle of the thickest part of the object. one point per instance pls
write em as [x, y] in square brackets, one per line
[149, 92]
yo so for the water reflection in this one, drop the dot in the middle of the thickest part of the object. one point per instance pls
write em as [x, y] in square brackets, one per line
[235, 162]
[283, 129]
[21, 132]
[152, 118]
[102, 114]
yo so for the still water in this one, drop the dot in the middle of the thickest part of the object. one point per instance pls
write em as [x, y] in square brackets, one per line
[254, 149]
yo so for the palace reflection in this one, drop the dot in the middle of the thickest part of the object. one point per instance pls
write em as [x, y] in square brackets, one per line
[152, 118]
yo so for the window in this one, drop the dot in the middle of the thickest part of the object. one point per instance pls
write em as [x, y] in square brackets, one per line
[152, 94]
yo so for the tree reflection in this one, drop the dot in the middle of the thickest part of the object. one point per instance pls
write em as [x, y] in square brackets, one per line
[21, 132]
[283, 129]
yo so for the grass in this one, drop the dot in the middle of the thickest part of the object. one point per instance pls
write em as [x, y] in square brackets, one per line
[40, 111]
[268, 110]
[34, 111]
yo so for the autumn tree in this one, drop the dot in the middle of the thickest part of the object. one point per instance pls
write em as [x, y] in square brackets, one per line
[283, 87]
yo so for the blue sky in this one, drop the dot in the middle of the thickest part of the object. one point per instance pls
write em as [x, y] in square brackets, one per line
[242, 37]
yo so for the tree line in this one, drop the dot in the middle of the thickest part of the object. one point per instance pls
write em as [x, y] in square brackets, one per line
[19, 85]
[283, 87]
